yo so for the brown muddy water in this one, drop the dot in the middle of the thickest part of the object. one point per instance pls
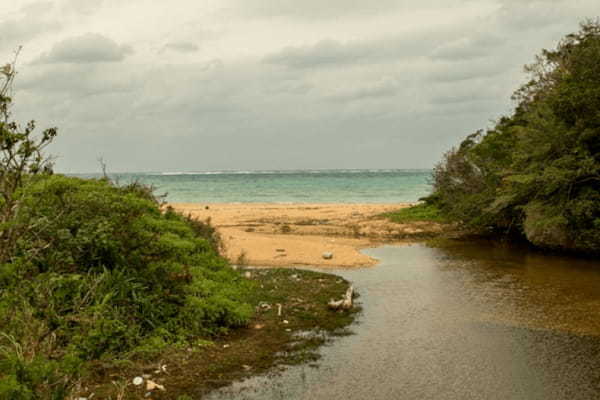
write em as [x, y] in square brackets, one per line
[475, 321]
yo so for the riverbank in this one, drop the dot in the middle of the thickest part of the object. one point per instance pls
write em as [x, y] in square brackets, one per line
[277, 235]
[292, 320]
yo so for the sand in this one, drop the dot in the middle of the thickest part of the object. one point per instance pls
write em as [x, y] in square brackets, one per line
[298, 234]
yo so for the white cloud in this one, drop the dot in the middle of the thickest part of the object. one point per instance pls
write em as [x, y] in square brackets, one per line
[85, 49]
[272, 84]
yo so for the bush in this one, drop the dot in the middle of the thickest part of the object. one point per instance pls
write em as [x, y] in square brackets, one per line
[103, 272]
[418, 213]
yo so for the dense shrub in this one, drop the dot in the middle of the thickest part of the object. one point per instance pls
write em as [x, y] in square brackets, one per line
[102, 272]
[537, 172]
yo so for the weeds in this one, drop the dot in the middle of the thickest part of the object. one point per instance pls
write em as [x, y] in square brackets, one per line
[419, 213]
[113, 277]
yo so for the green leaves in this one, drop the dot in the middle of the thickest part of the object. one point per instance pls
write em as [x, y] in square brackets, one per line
[105, 273]
[537, 172]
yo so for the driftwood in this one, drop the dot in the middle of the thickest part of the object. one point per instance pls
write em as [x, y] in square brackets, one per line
[343, 304]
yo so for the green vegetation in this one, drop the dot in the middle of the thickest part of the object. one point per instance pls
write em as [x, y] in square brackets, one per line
[271, 339]
[97, 281]
[536, 173]
[423, 212]
[105, 275]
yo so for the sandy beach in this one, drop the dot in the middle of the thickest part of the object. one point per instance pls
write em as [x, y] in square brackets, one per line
[262, 234]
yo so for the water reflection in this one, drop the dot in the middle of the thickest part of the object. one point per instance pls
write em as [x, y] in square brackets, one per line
[466, 322]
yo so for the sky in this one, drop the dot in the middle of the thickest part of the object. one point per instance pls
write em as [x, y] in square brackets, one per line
[208, 85]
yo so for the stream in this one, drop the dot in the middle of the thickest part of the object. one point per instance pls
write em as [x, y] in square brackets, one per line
[471, 321]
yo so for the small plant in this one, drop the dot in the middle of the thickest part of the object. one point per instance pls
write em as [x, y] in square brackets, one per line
[285, 228]
[355, 229]
[242, 259]
[419, 213]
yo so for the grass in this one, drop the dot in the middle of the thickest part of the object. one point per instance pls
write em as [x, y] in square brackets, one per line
[267, 342]
[418, 213]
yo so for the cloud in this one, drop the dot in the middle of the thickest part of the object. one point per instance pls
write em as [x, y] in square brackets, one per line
[88, 48]
[386, 83]
[83, 7]
[78, 80]
[332, 52]
[467, 48]
[456, 71]
[315, 9]
[31, 21]
[325, 52]
[384, 87]
[180, 47]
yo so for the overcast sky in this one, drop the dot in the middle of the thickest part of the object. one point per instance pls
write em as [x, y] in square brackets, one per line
[190, 85]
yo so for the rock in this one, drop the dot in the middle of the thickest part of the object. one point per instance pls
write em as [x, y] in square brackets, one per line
[151, 385]
[138, 380]
[344, 304]
[544, 229]
[327, 255]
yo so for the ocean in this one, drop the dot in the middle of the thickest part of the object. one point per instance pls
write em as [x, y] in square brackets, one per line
[301, 186]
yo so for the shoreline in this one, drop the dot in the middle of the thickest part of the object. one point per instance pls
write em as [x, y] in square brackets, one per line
[298, 234]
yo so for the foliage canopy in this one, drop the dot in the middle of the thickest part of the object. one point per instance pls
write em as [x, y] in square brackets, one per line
[536, 173]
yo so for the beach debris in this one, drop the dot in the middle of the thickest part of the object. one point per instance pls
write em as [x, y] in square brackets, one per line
[207, 207]
[343, 304]
[248, 274]
[226, 346]
[280, 250]
[138, 380]
[162, 368]
[279, 308]
[285, 321]
[264, 306]
[328, 255]
[146, 376]
[247, 367]
[151, 385]
[259, 326]
[294, 276]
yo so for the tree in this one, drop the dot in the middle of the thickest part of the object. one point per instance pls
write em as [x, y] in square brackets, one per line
[21, 158]
[537, 171]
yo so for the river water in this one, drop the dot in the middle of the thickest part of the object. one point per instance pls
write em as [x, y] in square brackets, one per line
[473, 321]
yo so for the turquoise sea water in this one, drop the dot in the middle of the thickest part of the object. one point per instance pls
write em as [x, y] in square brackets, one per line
[316, 186]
